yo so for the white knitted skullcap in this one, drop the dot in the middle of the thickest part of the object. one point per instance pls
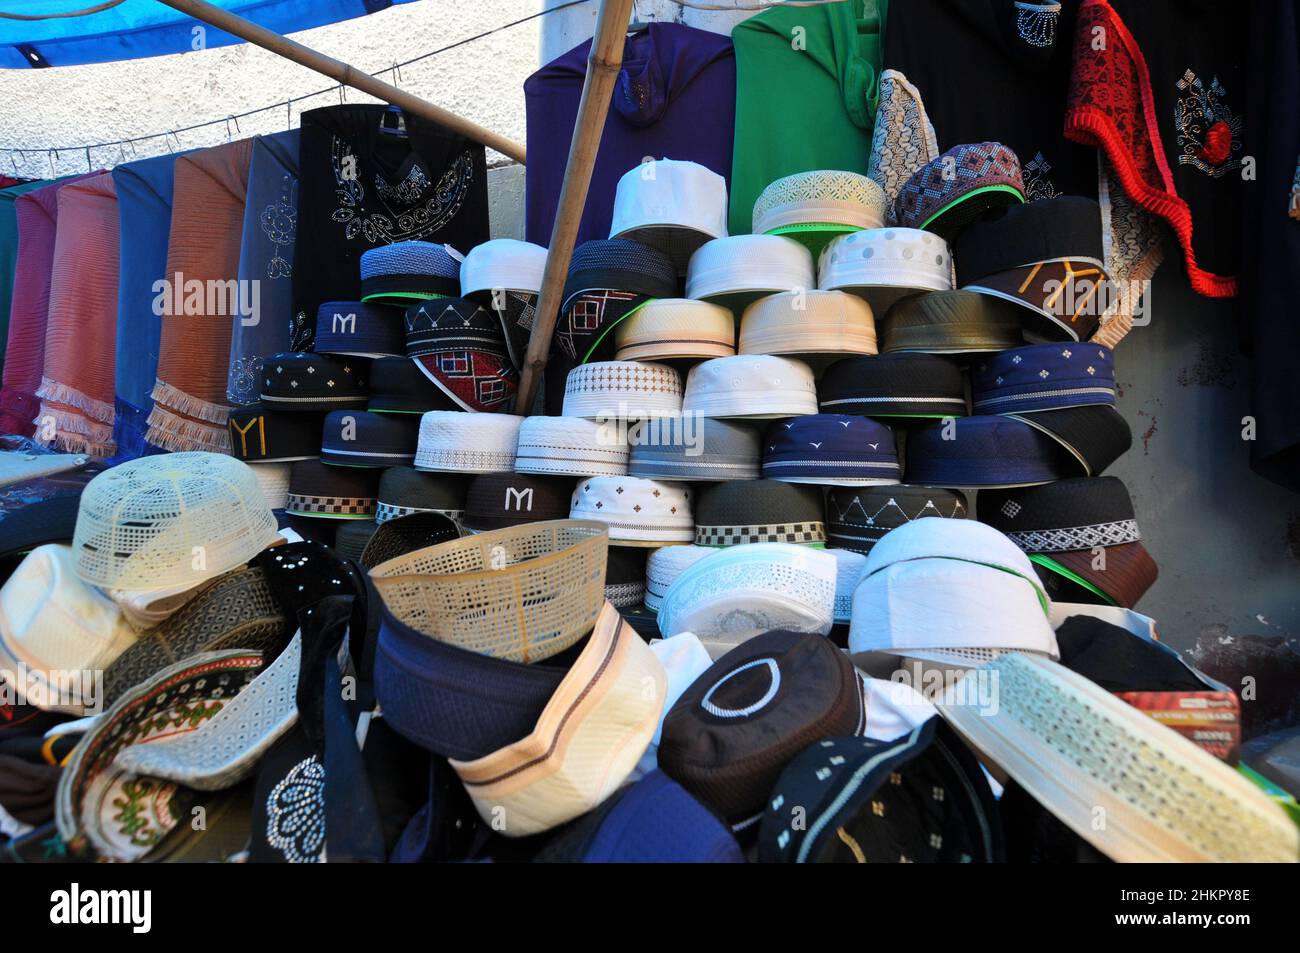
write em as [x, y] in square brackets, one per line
[503, 263]
[747, 264]
[622, 390]
[751, 385]
[457, 441]
[174, 519]
[884, 264]
[665, 565]
[571, 446]
[638, 512]
[813, 322]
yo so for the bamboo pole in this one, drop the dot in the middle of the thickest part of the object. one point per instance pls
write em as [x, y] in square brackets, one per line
[603, 64]
[345, 74]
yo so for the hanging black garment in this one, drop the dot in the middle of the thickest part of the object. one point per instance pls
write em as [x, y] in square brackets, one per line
[372, 176]
[996, 70]
[1271, 238]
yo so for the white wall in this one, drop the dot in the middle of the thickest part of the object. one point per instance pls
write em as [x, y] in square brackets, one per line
[482, 80]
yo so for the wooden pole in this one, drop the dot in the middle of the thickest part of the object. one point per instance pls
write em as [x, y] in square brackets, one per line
[597, 89]
[345, 74]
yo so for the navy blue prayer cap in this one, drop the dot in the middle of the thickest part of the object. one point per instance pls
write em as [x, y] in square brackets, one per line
[983, 451]
[361, 438]
[406, 271]
[652, 821]
[832, 449]
[360, 328]
[1044, 377]
[454, 702]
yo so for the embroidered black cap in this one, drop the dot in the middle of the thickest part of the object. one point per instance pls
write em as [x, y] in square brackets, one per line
[731, 732]
[406, 490]
[1075, 513]
[902, 384]
[625, 576]
[316, 382]
[623, 265]
[317, 489]
[262, 434]
[919, 798]
[359, 328]
[857, 518]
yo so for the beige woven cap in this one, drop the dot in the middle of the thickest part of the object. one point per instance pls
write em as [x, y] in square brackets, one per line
[808, 322]
[175, 519]
[667, 328]
[587, 741]
[820, 197]
[57, 628]
[1084, 755]
[523, 593]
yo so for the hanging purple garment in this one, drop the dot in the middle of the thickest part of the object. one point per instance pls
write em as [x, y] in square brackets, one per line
[675, 98]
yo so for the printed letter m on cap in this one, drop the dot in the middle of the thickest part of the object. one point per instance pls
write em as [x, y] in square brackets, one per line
[523, 499]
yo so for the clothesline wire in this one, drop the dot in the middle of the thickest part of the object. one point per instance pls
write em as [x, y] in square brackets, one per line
[287, 104]
[168, 136]
[97, 8]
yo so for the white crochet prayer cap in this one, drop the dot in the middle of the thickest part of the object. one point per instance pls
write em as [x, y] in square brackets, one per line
[456, 441]
[741, 591]
[747, 264]
[820, 197]
[671, 205]
[622, 390]
[751, 385]
[637, 512]
[175, 519]
[571, 446]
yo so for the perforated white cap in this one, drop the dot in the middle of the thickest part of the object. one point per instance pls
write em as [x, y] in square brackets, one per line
[750, 385]
[174, 519]
[883, 264]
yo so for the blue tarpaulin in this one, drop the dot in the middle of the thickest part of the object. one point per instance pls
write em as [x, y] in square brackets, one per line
[140, 28]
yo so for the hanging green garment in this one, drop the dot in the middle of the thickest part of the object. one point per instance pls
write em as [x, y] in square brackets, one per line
[9, 253]
[806, 85]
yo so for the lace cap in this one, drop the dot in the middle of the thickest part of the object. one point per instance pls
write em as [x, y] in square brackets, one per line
[170, 520]
[1076, 747]
[820, 197]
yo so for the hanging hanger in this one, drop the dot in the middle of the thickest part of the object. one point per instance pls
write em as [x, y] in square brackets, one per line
[637, 24]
